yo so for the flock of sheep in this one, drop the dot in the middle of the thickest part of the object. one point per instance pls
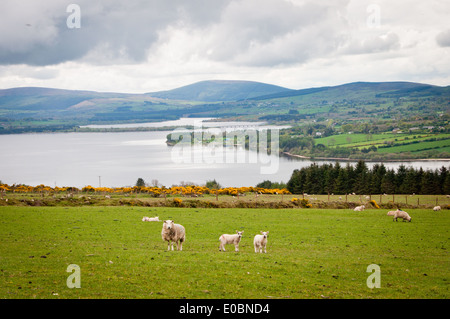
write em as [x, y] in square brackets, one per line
[396, 213]
[176, 233]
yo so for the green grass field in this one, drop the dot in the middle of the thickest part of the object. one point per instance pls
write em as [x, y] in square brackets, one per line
[311, 253]
[364, 141]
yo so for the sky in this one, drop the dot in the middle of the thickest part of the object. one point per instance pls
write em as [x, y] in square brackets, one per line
[139, 46]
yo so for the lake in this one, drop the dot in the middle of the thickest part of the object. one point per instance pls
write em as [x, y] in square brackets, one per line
[119, 159]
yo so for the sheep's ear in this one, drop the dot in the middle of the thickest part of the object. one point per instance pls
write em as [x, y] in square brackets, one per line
[267, 232]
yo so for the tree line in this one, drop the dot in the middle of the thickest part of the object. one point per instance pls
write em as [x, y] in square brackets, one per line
[359, 179]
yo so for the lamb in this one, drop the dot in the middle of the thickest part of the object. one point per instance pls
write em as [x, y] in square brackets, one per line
[399, 214]
[436, 208]
[260, 242]
[234, 239]
[359, 208]
[150, 219]
[172, 232]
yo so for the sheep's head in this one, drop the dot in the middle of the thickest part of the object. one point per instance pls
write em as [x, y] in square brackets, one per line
[168, 224]
[239, 233]
[265, 233]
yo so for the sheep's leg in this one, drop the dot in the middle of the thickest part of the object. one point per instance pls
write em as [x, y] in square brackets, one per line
[168, 245]
[265, 249]
[181, 245]
[236, 247]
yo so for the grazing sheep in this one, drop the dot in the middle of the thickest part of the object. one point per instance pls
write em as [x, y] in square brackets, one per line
[230, 239]
[400, 214]
[391, 213]
[436, 208]
[172, 232]
[260, 242]
[150, 219]
[359, 208]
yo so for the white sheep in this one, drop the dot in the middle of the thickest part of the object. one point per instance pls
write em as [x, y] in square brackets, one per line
[399, 214]
[260, 242]
[150, 219]
[436, 208]
[234, 239]
[172, 232]
[359, 208]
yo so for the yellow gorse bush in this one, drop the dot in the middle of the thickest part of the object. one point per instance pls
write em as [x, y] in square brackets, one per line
[155, 191]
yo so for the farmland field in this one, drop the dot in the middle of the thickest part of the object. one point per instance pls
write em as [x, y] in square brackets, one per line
[312, 253]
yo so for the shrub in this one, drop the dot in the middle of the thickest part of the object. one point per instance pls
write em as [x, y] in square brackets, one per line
[374, 203]
[301, 202]
[177, 202]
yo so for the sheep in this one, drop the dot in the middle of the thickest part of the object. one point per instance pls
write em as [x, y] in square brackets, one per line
[150, 219]
[399, 214]
[234, 239]
[260, 242]
[172, 232]
[359, 208]
[436, 208]
[391, 213]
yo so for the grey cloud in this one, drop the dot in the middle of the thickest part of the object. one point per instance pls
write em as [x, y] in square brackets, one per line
[374, 44]
[268, 33]
[443, 38]
[117, 31]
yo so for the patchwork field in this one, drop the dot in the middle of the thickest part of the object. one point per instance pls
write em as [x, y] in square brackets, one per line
[412, 142]
[311, 253]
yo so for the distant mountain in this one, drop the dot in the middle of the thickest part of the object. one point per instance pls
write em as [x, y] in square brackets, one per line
[38, 98]
[371, 88]
[220, 90]
[31, 109]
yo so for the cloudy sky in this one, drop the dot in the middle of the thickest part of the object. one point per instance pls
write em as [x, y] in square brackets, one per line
[142, 46]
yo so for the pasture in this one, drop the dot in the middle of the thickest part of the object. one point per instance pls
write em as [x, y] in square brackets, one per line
[311, 253]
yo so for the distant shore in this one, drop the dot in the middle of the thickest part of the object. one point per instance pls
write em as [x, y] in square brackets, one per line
[365, 160]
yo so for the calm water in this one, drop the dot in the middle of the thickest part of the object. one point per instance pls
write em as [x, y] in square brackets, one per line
[119, 159]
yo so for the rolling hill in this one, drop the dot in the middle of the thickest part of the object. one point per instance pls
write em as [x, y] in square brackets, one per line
[220, 90]
[37, 109]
